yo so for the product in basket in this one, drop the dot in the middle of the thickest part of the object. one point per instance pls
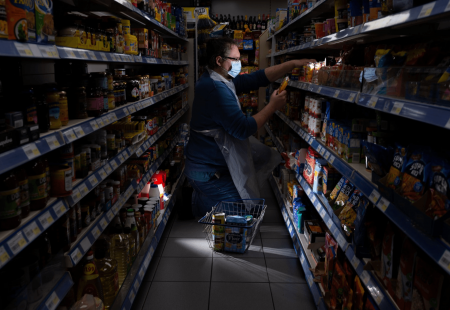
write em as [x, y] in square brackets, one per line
[235, 239]
[218, 231]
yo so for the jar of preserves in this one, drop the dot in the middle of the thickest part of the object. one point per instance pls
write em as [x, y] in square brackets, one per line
[52, 99]
[132, 90]
[104, 92]
[9, 202]
[22, 180]
[94, 102]
[63, 108]
[37, 183]
[111, 100]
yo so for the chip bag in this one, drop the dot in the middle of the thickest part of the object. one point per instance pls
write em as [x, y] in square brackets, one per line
[349, 212]
[413, 181]
[393, 178]
[369, 305]
[438, 180]
[427, 286]
[336, 190]
[344, 194]
[331, 248]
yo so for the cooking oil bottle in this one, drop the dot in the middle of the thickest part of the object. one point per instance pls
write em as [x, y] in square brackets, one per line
[109, 277]
[140, 228]
[131, 222]
[132, 242]
[90, 281]
[120, 250]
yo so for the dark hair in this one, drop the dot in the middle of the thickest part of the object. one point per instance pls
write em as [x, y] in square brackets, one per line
[217, 47]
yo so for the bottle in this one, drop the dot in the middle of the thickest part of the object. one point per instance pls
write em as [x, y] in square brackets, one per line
[28, 102]
[132, 248]
[9, 202]
[131, 222]
[63, 108]
[109, 277]
[263, 23]
[140, 228]
[220, 19]
[37, 183]
[242, 22]
[258, 23]
[245, 23]
[120, 250]
[52, 98]
[229, 19]
[22, 179]
[89, 282]
[42, 113]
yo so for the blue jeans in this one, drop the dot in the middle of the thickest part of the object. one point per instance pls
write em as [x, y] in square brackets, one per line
[207, 194]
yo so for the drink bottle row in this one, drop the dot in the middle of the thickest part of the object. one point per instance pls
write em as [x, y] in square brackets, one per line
[239, 22]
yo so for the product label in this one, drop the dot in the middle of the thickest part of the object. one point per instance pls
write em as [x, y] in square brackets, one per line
[53, 110]
[24, 193]
[10, 202]
[105, 103]
[37, 186]
[95, 104]
[135, 92]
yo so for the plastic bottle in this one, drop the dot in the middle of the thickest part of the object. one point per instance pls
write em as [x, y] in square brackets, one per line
[140, 228]
[131, 222]
[63, 108]
[132, 243]
[90, 280]
[107, 269]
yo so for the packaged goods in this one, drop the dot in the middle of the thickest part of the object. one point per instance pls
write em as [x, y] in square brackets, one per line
[45, 30]
[17, 20]
[331, 247]
[405, 276]
[427, 287]
[344, 195]
[413, 181]
[393, 178]
[349, 213]
[390, 256]
[358, 296]
[235, 239]
[336, 190]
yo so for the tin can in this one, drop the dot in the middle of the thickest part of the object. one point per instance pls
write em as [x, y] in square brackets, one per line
[218, 241]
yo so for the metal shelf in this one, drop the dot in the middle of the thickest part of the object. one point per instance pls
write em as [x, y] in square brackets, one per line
[435, 248]
[57, 293]
[275, 140]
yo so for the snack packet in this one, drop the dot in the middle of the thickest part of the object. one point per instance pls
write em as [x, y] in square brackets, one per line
[393, 178]
[390, 256]
[405, 276]
[344, 194]
[349, 212]
[330, 258]
[339, 287]
[360, 229]
[369, 305]
[413, 182]
[438, 179]
[358, 296]
[336, 190]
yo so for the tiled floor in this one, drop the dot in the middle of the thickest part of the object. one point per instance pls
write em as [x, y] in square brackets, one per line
[186, 274]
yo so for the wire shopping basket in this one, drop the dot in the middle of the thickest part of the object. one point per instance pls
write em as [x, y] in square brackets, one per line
[222, 235]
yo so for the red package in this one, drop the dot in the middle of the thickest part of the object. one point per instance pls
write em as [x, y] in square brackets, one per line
[331, 248]
[310, 165]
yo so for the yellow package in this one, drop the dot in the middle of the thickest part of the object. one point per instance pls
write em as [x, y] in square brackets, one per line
[283, 85]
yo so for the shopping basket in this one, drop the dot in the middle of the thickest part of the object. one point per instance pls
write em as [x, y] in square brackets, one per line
[230, 237]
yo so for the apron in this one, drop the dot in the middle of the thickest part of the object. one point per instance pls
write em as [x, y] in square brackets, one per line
[249, 161]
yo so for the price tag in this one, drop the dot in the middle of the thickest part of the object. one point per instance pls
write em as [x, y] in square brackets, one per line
[46, 219]
[93, 180]
[319, 90]
[110, 215]
[83, 55]
[46, 53]
[103, 55]
[308, 191]
[105, 120]
[327, 155]
[313, 200]
[131, 109]
[331, 160]
[322, 151]
[322, 213]
[444, 261]
[365, 277]
[103, 223]
[108, 169]
[141, 274]
[383, 204]
[96, 233]
[336, 94]
[113, 57]
[76, 256]
[52, 142]
[310, 281]
[372, 102]
[76, 195]
[52, 302]
[342, 242]
[290, 229]
[70, 135]
[131, 296]
[114, 164]
[92, 55]
[125, 111]
[31, 231]
[351, 97]
[355, 30]
[121, 158]
[23, 49]
[329, 223]
[93, 125]
[82, 188]
[59, 209]
[136, 285]
[31, 150]
[397, 108]
[100, 123]
[70, 53]
[102, 173]
[79, 131]
[85, 244]
[17, 243]
[426, 10]
[374, 196]
[377, 295]
[355, 262]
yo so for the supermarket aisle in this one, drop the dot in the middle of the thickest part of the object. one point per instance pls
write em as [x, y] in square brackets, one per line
[186, 274]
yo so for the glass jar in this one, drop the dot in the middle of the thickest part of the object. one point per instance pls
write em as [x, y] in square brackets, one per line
[111, 100]
[132, 92]
[78, 101]
[22, 180]
[63, 108]
[105, 100]
[94, 102]
[100, 79]
[9, 202]
[52, 99]
[37, 183]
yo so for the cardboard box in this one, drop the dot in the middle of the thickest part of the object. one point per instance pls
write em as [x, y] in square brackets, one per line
[142, 37]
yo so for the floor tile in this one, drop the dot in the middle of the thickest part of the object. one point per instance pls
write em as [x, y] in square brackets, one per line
[255, 250]
[274, 231]
[187, 247]
[187, 229]
[183, 269]
[141, 296]
[248, 296]
[278, 248]
[273, 216]
[239, 270]
[152, 269]
[161, 245]
[290, 296]
[178, 295]
[286, 270]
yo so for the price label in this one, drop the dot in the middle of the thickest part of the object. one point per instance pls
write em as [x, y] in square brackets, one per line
[374, 196]
[397, 108]
[46, 219]
[103, 55]
[319, 90]
[329, 223]
[426, 10]
[113, 57]
[23, 49]
[94, 125]
[46, 53]
[351, 97]
[31, 150]
[105, 120]
[110, 215]
[114, 164]
[372, 102]
[76, 256]
[79, 131]
[308, 191]
[322, 151]
[319, 148]
[310, 281]
[131, 109]
[108, 169]
[52, 142]
[383, 204]
[141, 274]
[96, 233]
[59, 209]
[136, 285]
[444, 261]
[70, 135]
[313, 200]
[331, 159]
[93, 180]
[70, 53]
[356, 30]
[102, 173]
[31, 231]
[377, 295]
[76, 195]
[4, 256]
[17, 243]
[132, 296]
[52, 302]
[322, 213]
[355, 262]
[85, 244]
[327, 155]
[365, 277]
[290, 229]
[125, 111]
[103, 223]
[92, 55]
[100, 123]
[121, 158]
[342, 242]
[83, 189]
[83, 55]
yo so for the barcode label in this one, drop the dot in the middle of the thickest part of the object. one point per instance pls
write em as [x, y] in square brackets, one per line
[336, 94]
[17, 243]
[114, 164]
[105, 120]
[131, 296]
[374, 196]
[102, 173]
[121, 158]
[96, 232]
[329, 223]
[52, 302]
[355, 262]
[46, 219]
[76, 256]
[31, 150]
[445, 260]
[383, 204]
[85, 244]
[70, 135]
[93, 125]
[103, 55]
[83, 189]
[52, 142]
[83, 55]
[125, 110]
[372, 102]
[142, 274]
[31, 231]
[100, 122]
[4, 257]
[365, 277]
[110, 215]
[59, 209]
[103, 223]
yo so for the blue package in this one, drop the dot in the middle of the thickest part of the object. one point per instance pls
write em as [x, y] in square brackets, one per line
[235, 239]
[236, 219]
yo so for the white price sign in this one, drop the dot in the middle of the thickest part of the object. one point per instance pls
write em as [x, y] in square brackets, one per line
[351, 97]
[52, 142]
[383, 204]
[70, 135]
[372, 102]
[4, 257]
[92, 55]
[83, 55]
[329, 223]
[79, 131]
[114, 164]
[365, 277]
[308, 191]
[397, 108]
[426, 10]
[103, 55]
[96, 232]
[374, 196]
[102, 173]
[313, 200]
[444, 261]
[93, 125]
[110, 215]
[59, 209]
[17, 243]
[108, 169]
[46, 219]
[105, 120]
[82, 188]
[331, 159]
[336, 94]
[121, 158]
[322, 213]
[355, 262]
[93, 180]
[31, 150]
[76, 195]
[85, 244]
[52, 302]
[103, 223]
[100, 122]
[76, 256]
[23, 49]
[32, 231]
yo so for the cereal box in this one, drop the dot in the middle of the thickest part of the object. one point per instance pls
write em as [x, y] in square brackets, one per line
[45, 28]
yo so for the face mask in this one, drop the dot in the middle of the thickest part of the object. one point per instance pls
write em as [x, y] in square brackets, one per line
[235, 69]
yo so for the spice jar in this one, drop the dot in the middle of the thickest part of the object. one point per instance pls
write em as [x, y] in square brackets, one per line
[22, 180]
[63, 108]
[52, 99]
[37, 182]
[94, 102]
[9, 202]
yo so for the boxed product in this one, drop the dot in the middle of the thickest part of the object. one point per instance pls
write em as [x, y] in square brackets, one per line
[351, 146]
[235, 239]
[314, 231]
[45, 29]
[142, 37]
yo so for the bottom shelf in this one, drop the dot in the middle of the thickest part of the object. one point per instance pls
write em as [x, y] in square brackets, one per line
[302, 252]
[133, 281]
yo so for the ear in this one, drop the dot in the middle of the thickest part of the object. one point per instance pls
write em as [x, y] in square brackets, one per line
[219, 60]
